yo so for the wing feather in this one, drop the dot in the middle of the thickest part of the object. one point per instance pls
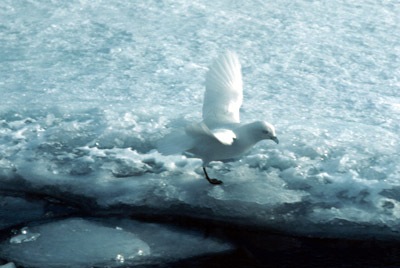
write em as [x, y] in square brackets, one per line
[201, 131]
[224, 136]
[224, 90]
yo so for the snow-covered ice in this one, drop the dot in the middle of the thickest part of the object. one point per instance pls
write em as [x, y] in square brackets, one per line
[88, 88]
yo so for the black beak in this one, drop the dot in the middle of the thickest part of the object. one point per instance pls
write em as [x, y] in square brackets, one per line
[275, 139]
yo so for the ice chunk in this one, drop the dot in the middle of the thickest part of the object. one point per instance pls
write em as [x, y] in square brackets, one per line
[24, 236]
[83, 243]
[249, 185]
[8, 265]
[74, 243]
[163, 241]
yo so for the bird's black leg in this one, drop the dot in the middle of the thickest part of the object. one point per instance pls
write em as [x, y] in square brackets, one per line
[212, 181]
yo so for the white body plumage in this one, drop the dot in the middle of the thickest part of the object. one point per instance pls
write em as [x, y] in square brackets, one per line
[220, 135]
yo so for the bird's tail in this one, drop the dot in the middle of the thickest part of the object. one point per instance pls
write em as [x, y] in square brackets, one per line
[175, 143]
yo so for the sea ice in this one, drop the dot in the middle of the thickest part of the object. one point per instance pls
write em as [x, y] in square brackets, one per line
[74, 242]
[8, 265]
[88, 88]
[82, 243]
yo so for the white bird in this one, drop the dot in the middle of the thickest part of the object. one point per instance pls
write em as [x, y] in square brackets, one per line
[220, 135]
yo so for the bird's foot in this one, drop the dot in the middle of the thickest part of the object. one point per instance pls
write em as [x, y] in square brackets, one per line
[214, 181]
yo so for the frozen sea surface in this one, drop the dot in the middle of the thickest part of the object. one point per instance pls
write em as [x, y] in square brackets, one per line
[89, 87]
[82, 243]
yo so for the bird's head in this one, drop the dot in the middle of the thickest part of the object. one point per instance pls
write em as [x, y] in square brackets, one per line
[265, 131]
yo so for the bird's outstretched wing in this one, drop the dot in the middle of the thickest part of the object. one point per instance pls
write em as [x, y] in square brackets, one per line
[224, 91]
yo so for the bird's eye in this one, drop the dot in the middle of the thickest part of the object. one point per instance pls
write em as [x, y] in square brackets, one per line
[265, 131]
